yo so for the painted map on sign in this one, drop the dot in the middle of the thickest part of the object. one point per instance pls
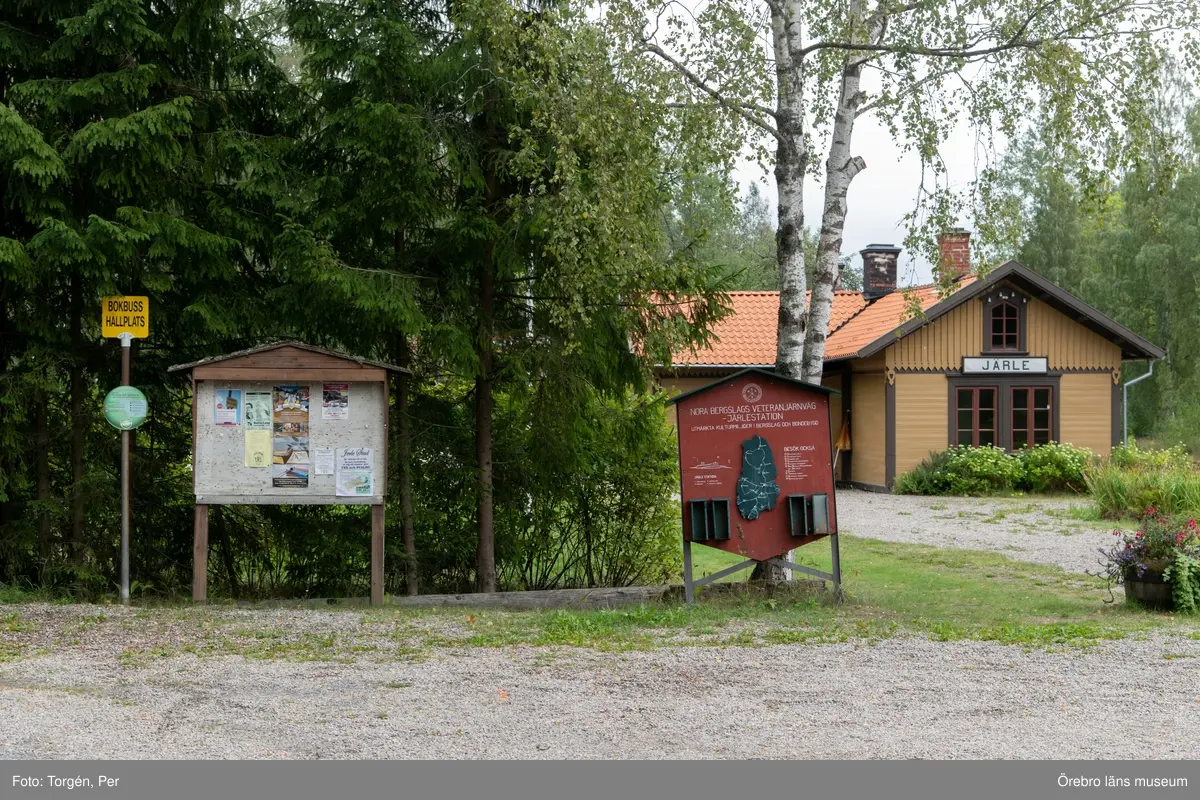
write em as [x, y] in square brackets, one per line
[757, 490]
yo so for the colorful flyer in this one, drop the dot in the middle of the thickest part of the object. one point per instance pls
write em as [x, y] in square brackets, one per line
[289, 476]
[228, 409]
[258, 411]
[258, 448]
[355, 472]
[323, 461]
[289, 439]
[335, 401]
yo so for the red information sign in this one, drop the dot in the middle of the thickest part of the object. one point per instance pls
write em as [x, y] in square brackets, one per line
[756, 464]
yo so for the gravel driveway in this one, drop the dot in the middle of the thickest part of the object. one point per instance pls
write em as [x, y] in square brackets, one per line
[115, 683]
[904, 697]
[1038, 529]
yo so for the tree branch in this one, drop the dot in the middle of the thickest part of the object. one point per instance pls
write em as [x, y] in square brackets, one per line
[737, 107]
[1013, 42]
[911, 89]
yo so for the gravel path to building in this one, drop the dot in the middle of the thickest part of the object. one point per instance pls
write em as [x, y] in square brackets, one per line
[112, 683]
[121, 684]
[1040, 530]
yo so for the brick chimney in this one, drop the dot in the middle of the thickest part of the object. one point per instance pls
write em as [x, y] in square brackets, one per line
[879, 270]
[954, 256]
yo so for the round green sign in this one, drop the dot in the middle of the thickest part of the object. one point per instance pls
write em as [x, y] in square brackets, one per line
[125, 408]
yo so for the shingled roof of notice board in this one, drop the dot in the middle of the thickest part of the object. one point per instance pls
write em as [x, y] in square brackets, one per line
[276, 345]
[766, 373]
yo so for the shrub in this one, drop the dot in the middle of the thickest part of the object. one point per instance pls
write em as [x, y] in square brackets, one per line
[1055, 467]
[928, 477]
[1132, 457]
[975, 471]
[1121, 492]
[963, 470]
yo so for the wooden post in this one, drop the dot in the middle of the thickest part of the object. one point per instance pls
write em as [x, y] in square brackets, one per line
[200, 555]
[377, 520]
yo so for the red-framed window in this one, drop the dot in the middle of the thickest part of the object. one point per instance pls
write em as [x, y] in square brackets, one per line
[975, 415]
[1005, 327]
[1032, 417]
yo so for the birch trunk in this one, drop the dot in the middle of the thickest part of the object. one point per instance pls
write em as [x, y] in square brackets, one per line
[791, 161]
[791, 157]
[840, 170]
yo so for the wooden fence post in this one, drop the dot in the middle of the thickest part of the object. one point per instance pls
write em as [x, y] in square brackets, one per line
[377, 520]
[200, 555]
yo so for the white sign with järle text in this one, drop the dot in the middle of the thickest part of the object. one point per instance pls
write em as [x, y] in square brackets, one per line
[986, 365]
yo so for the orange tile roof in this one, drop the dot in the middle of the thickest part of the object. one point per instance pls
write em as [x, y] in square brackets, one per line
[748, 335]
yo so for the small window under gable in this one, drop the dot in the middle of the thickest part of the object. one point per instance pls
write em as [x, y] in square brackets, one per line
[1004, 313]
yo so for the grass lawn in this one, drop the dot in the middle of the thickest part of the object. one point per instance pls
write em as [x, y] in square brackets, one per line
[891, 589]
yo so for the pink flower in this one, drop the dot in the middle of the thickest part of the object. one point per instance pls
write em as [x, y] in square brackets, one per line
[1140, 534]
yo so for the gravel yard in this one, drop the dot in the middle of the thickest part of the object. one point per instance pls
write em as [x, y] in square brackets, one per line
[905, 697]
[1024, 529]
[113, 683]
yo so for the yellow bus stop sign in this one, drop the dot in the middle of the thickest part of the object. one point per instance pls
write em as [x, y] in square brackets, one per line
[125, 315]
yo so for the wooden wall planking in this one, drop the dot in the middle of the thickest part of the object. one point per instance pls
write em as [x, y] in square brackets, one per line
[941, 345]
[868, 430]
[921, 413]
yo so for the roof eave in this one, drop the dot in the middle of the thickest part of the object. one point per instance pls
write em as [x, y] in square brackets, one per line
[286, 343]
[1133, 347]
[685, 367]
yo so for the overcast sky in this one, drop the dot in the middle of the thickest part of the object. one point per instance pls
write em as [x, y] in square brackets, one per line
[881, 194]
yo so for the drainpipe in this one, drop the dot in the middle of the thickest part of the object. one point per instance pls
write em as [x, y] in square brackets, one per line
[1125, 401]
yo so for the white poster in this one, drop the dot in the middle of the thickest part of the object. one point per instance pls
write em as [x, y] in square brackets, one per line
[258, 411]
[228, 410]
[355, 472]
[323, 462]
[335, 401]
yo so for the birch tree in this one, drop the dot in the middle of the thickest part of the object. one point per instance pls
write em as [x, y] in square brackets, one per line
[797, 76]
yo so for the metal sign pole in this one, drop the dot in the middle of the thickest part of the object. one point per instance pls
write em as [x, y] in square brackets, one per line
[126, 435]
[688, 590]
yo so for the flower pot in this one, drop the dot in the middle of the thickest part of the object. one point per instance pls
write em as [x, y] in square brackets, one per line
[1149, 589]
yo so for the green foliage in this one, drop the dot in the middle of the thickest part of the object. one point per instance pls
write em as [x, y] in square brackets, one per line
[1132, 457]
[583, 490]
[1184, 576]
[1125, 242]
[601, 512]
[1161, 544]
[963, 470]
[739, 241]
[1088, 71]
[976, 471]
[345, 175]
[134, 142]
[1055, 467]
[1121, 492]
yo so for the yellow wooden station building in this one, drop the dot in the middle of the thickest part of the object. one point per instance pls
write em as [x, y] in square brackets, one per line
[1010, 360]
